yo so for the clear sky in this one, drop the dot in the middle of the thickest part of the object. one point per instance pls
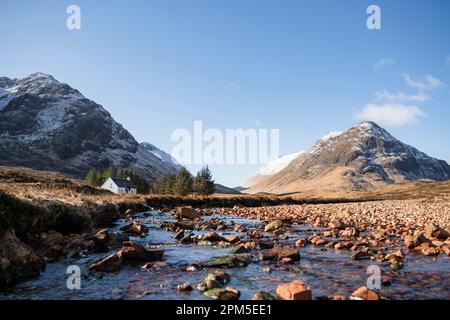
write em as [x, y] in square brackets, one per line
[304, 67]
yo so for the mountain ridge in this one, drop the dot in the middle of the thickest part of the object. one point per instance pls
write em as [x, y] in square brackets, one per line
[363, 157]
[48, 125]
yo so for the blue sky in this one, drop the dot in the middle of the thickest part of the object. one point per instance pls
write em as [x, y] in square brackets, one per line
[305, 67]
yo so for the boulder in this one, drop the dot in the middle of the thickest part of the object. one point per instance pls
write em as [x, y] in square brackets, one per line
[295, 290]
[18, 261]
[130, 253]
[134, 252]
[279, 253]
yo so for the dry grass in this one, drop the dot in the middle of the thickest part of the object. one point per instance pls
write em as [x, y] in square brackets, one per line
[36, 185]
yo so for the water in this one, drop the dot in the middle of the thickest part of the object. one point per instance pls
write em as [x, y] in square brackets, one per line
[326, 271]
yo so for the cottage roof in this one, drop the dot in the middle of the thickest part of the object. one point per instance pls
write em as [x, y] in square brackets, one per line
[123, 183]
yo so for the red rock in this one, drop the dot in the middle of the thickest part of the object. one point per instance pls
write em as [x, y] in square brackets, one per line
[295, 290]
[365, 294]
[212, 237]
[434, 231]
[301, 242]
[233, 239]
[278, 253]
[188, 213]
[414, 240]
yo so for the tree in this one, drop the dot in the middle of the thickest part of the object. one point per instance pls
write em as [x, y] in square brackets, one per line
[183, 183]
[169, 182]
[158, 185]
[203, 183]
[94, 178]
[108, 173]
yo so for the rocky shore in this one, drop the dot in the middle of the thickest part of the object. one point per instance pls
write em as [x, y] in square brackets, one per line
[370, 229]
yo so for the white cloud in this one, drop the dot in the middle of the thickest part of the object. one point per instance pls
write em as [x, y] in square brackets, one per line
[386, 96]
[389, 114]
[429, 82]
[384, 62]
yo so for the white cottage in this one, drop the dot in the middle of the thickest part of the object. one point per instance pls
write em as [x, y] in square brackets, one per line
[120, 186]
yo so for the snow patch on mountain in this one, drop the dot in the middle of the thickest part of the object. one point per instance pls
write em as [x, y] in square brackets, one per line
[276, 165]
[324, 141]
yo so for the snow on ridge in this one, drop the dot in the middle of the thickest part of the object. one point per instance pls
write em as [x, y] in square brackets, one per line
[162, 155]
[5, 97]
[276, 165]
[324, 141]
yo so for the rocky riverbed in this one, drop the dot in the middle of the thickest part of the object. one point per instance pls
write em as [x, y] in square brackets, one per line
[285, 252]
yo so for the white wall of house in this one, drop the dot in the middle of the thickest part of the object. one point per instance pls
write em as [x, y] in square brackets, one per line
[110, 185]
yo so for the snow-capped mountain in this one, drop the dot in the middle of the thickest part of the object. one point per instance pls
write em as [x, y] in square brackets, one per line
[47, 125]
[363, 157]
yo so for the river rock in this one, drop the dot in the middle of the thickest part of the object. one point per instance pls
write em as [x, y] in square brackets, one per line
[365, 293]
[262, 295]
[228, 261]
[434, 231]
[18, 260]
[295, 290]
[278, 253]
[135, 228]
[414, 240]
[188, 213]
[273, 226]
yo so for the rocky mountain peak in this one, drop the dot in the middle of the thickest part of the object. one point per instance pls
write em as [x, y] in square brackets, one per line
[363, 157]
[46, 124]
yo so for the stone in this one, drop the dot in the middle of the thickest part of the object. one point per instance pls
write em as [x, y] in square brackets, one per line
[301, 242]
[228, 261]
[278, 253]
[112, 263]
[134, 252]
[434, 231]
[414, 240]
[365, 293]
[135, 228]
[295, 290]
[184, 287]
[188, 213]
[336, 224]
[349, 232]
[273, 226]
[262, 245]
[212, 237]
[130, 253]
[262, 295]
[239, 249]
[222, 294]
[18, 260]
[233, 239]
[360, 255]
[179, 235]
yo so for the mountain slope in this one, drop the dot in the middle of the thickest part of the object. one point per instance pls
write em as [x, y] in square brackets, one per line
[364, 157]
[47, 125]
